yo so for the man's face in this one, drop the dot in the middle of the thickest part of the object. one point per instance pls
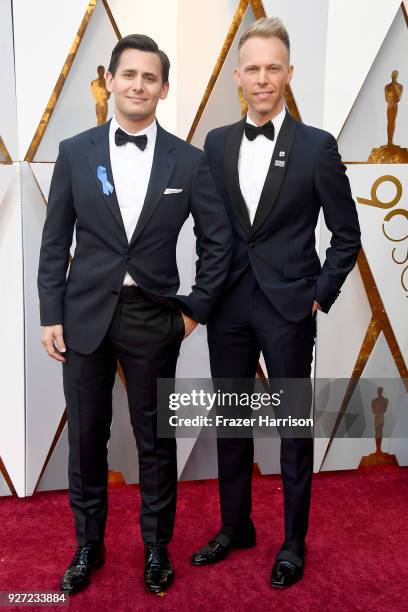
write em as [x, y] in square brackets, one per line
[263, 73]
[137, 84]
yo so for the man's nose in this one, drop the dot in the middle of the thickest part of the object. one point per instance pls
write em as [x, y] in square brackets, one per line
[137, 84]
[262, 76]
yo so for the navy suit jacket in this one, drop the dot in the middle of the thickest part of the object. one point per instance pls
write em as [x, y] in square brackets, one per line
[305, 174]
[85, 301]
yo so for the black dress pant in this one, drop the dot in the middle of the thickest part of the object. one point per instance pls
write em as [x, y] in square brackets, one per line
[146, 339]
[245, 323]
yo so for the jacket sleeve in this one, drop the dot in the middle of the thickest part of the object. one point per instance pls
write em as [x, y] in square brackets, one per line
[56, 241]
[340, 214]
[213, 242]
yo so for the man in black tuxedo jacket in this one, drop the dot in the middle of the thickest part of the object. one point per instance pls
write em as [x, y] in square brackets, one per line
[274, 174]
[128, 186]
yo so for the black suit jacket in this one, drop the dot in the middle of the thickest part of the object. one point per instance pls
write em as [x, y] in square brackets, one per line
[305, 174]
[85, 301]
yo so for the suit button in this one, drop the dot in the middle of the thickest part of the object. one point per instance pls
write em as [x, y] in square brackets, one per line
[115, 292]
[251, 245]
[127, 257]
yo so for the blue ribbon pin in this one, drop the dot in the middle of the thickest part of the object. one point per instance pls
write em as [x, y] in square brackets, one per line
[102, 176]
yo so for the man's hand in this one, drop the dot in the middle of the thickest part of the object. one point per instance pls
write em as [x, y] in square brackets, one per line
[315, 307]
[53, 335]
[189, 324]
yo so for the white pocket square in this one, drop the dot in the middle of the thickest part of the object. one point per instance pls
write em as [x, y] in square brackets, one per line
[167, 191]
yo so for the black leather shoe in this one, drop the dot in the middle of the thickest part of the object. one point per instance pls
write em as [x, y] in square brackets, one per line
[159, 572]
[285, 573]
[221, 545]
[77, 575]
[288, 566]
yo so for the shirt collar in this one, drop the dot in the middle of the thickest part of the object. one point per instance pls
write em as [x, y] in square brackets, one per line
[277, 121]
[150, 131]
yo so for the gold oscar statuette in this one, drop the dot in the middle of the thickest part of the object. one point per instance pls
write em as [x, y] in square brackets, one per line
[101, 96]
[379, 407]
[115, 477]
[391, 153]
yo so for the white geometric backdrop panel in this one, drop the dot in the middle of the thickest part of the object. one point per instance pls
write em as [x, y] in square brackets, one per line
[343, 53]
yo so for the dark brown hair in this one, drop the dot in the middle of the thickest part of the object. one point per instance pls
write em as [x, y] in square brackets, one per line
[143, 43]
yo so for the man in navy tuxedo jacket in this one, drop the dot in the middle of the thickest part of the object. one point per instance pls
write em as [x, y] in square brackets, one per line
[274, 175]
[127, 186]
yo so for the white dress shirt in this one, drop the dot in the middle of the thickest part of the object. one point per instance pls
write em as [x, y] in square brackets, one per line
[131, 168]
[253, 164]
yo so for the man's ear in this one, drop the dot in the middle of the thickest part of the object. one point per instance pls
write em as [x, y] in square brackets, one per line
[109, 81]
[237, 77]
[164, 90]
[290, 74]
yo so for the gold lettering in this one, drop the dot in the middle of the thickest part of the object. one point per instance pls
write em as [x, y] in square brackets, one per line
[375, 201]
[397, 260]
[402, 279]
[389, 216]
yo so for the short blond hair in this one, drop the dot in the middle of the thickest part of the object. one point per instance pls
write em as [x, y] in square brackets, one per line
[266, 27]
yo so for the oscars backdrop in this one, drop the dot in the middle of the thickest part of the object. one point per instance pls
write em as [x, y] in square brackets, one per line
[53, 61]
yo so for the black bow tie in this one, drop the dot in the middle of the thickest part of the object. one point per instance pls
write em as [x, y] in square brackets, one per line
[252, 131]
[122, 138]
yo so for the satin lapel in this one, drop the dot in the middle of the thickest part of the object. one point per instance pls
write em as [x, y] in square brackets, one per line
[231, 155]
[276, 172]
[162, 169]
[98, 155]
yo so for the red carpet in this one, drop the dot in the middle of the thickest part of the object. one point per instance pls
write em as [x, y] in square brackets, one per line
[357, 549]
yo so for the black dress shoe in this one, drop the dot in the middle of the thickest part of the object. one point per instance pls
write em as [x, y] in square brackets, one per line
[77, 575]
[285, 573]
[221, 545]
[288, 566]
[159, 572]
